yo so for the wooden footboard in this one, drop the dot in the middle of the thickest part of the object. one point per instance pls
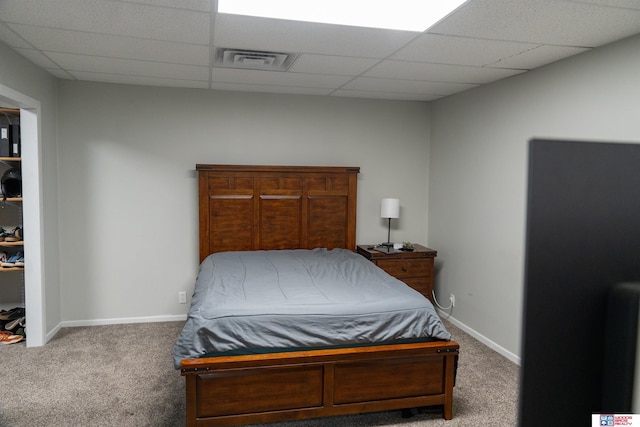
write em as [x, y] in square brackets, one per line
[238, 390]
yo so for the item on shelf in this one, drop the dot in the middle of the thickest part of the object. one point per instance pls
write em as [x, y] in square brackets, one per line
[14, 235]
[15, 145]
[9, 136]
[12, 314]
[11, 262]
[14, 325]
[11, 183]
[5, 145]
[3, 257]
[13, 320]
[8, 317]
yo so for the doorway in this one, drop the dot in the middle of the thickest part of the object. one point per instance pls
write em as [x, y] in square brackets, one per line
[32, 215]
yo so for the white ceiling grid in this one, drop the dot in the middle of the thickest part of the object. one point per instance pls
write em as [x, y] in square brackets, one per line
[172, 42]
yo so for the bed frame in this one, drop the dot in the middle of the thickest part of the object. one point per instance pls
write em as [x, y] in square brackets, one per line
[288, 207]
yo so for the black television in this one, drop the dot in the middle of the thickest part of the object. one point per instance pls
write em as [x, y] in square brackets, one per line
[582, 239]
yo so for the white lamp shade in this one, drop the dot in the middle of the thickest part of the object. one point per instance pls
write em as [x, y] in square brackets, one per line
[390, 208]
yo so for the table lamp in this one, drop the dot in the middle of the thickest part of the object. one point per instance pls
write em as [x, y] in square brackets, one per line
[389, 209]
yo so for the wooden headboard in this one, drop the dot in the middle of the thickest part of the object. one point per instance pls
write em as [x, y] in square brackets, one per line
[276, 207]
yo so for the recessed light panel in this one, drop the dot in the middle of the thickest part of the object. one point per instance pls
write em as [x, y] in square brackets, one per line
[408, 15]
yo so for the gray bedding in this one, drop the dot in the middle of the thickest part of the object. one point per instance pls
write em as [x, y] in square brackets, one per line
[299, 298]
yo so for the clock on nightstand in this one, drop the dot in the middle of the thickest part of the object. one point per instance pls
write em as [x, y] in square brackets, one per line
[415, 268]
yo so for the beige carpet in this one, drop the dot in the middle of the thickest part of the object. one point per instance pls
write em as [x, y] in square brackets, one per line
[123, 376]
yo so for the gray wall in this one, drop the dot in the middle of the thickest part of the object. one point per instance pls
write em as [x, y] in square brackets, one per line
[479, 171]
[128, 202]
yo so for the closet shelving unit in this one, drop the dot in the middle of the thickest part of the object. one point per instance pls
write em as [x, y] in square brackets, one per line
[16, 202]
[6, 205]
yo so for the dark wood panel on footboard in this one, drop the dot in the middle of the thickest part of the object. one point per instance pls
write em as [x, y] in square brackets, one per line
[238, 390]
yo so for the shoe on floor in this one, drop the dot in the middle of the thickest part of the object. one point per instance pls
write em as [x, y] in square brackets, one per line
[9, 338]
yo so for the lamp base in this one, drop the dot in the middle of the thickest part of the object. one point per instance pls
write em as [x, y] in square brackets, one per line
[386, 247]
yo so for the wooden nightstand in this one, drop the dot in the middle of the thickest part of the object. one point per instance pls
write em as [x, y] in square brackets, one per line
[415, 268]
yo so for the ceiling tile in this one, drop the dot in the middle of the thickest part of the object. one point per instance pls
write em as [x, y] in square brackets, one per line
[325, 64]
[247, 32]
[170, 42]
[541, 55]
[406, 86]
[37, 58]
[270, 88]
[111, 17]
[84, 43]
[385, 95]
[630, 4]
[61, 74]
[12, 39]
[569, 23]
[200, 5]
[277, 78]
[99, 64]
[438, 72]
[459, 50]
[138, 80]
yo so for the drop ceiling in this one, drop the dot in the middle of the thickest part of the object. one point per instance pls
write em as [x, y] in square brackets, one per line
[173, 43]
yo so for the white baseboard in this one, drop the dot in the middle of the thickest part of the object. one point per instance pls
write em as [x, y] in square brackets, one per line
[117, 321]
[484, 340]
[52, 333]
[122, 320]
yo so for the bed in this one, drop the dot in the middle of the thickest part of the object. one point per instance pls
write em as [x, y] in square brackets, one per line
[284, 220]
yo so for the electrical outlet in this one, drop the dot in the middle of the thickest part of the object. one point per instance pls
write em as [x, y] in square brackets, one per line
[182, 297]
[452, 299]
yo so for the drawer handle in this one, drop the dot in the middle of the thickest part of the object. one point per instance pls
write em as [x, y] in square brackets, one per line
[404, 269]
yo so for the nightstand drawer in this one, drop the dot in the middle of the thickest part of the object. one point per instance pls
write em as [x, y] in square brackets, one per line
[420, 284]
[414, 268]
[403, 268]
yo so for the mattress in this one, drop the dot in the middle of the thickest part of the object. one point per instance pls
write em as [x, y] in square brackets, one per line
[261, 300]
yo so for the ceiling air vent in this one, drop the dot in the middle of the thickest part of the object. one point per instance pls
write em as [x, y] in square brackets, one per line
[253, 59]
